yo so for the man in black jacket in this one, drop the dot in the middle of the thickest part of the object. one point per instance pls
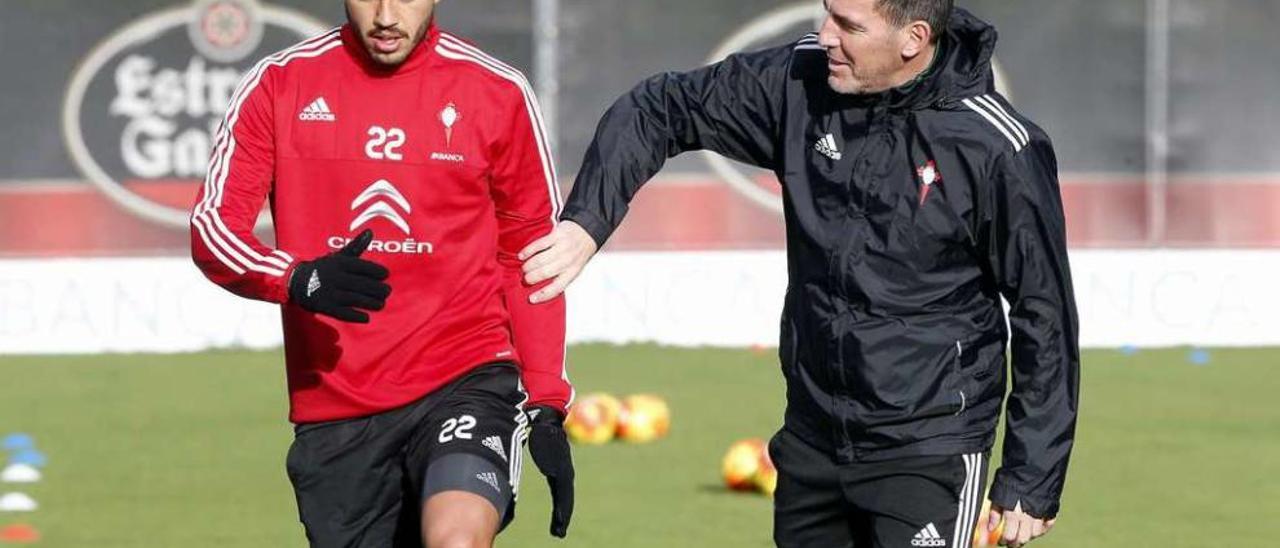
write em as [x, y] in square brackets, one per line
[915, 198]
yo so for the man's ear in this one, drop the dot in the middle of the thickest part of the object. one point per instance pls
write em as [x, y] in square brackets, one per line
[916, 38]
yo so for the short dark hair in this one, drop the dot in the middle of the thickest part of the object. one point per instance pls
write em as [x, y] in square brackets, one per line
[900, 13]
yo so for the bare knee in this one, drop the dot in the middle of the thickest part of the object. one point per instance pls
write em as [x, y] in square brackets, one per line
[451, 537]
[456, 519]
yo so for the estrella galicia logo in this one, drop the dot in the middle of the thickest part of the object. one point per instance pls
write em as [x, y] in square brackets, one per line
[142, 108]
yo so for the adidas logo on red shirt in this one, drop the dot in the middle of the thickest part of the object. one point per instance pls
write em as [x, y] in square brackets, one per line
[317, 111]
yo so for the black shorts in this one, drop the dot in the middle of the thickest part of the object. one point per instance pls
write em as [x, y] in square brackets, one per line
[923, 502]
[362, 481]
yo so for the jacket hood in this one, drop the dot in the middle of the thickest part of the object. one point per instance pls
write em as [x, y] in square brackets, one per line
[962, 67]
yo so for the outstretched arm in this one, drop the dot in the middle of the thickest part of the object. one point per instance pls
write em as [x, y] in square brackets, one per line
[732, 108]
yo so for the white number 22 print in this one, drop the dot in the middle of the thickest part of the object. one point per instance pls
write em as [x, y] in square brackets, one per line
[457, 428]
[384, 143]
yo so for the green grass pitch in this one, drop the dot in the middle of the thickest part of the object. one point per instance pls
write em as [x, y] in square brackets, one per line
[188, 450]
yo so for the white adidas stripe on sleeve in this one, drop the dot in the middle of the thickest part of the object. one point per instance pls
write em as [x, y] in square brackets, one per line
[1005, 129]
[1017, 126]
[229, 249]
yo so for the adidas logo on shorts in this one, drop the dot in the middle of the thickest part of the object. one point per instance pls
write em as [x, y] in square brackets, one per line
[491, 479]
[929, 537]
[495, 443]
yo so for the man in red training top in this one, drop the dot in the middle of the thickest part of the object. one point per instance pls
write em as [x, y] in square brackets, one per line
[397, 156]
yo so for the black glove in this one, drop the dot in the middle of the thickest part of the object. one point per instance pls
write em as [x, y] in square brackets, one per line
[338, 283]
[550, 449]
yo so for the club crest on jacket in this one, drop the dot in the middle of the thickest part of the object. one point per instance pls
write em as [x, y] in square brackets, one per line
[929, 176]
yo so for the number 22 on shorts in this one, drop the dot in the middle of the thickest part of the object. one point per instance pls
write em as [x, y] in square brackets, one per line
[457, 428]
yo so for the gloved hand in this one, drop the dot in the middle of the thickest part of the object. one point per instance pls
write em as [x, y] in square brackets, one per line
[550, 450]
[339, 283]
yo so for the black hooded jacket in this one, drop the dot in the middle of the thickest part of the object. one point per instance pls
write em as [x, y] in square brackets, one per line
[909, 214]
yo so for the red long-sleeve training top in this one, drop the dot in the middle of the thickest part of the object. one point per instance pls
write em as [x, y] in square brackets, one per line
[446, 159]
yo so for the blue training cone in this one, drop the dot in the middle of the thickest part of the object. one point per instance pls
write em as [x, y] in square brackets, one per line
[29, 457]
[18, 442]
[1199, 356]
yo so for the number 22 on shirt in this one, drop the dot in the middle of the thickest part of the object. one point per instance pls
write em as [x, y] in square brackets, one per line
[384, 143]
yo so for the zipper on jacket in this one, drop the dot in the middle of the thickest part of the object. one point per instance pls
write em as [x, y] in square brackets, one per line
[964, 402]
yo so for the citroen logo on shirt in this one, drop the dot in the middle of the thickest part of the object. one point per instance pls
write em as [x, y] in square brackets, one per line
[381, 199]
